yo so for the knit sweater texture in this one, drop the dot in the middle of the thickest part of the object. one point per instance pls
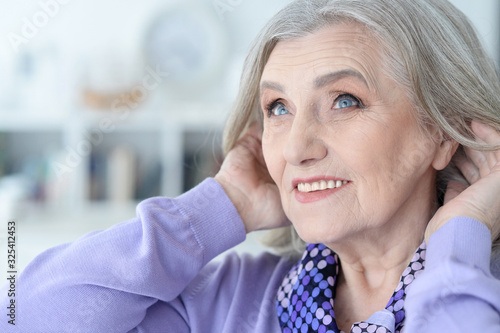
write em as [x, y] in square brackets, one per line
[154, 274]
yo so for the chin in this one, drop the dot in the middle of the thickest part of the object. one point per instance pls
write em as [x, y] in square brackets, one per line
[313, 232]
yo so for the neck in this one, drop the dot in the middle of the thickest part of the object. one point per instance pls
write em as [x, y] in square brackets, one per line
[372, 263]
[378, 262]
[364, 286]
[374, 256]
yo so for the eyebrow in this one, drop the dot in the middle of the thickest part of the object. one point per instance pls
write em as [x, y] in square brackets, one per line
[319, 81]
[272, 86]
[338, 75]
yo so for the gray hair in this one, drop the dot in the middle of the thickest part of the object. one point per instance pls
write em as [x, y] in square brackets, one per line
[431, 50]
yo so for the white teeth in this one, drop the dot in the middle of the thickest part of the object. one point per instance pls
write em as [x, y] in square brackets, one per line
[321, 185]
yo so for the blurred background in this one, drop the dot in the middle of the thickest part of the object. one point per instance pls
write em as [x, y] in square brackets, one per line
[105, 103]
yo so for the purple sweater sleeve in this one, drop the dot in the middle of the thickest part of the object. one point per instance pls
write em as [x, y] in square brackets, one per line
[457, 291]
[107, 280]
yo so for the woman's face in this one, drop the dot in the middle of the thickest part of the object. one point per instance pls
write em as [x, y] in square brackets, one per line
[341, 139]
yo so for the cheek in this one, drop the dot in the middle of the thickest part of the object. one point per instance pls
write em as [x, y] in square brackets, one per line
[416, 159]
[384, 160]
[399, 166]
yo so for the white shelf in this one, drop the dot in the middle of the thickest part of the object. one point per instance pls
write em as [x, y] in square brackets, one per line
[71, 140]
[17, 121]
[193, 115]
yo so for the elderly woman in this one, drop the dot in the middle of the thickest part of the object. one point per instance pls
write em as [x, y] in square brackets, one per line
[369, 125]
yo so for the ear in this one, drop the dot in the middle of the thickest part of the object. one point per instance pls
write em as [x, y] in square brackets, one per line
[444, 153]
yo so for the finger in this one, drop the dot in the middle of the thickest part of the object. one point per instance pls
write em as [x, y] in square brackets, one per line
[251, 143]
[467, 168]
[487, 134]
[255, 130]
[492, 158]
[480, 161]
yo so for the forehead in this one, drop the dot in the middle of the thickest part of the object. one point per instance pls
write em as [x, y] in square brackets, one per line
[337, 47]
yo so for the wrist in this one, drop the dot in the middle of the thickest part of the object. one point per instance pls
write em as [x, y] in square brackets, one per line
[463, 238]
[437, 223]
[238, 199]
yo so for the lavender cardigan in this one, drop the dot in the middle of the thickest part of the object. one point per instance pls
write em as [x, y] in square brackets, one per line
[150, 274]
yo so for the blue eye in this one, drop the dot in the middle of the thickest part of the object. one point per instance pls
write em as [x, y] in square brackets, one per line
[277, 109]
[346, 101]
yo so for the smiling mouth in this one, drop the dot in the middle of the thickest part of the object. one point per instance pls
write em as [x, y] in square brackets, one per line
[320, 185]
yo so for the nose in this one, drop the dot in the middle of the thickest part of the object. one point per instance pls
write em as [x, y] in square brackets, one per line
[304, 145]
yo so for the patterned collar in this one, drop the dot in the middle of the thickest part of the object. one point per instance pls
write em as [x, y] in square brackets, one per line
[307, 295]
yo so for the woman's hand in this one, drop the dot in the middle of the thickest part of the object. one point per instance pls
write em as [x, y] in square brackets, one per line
[246, 181]
[481, 200]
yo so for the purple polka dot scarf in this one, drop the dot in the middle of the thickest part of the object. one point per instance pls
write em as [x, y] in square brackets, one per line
[307, 295]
